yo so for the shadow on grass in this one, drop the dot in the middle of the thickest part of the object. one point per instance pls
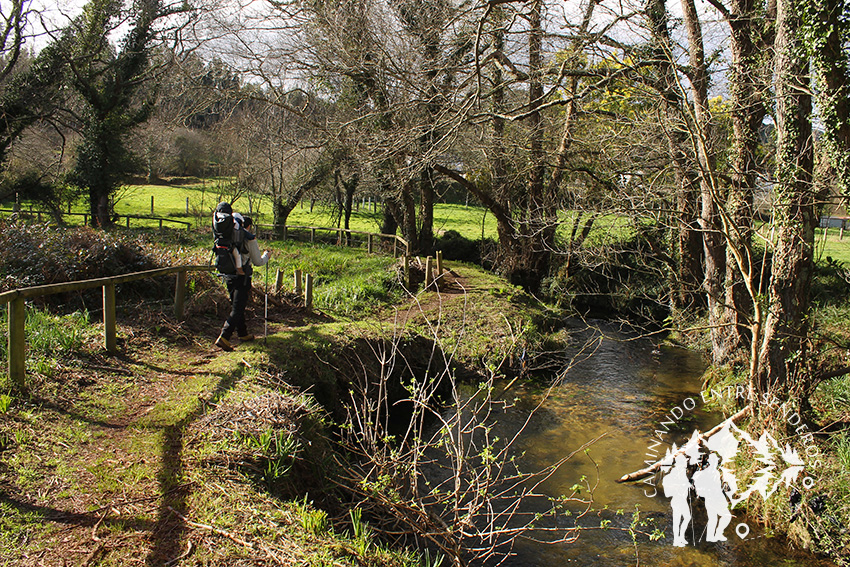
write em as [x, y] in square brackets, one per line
[170, 528]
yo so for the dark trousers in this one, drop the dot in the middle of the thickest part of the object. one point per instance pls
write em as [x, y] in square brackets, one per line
[239, 288]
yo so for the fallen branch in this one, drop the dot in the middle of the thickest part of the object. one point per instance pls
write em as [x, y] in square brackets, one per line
[213, 529]
[272, 299]
[833, 374]
[650, 470]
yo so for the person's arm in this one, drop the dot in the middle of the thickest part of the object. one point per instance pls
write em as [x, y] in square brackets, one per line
[254, 252]
[237, 259]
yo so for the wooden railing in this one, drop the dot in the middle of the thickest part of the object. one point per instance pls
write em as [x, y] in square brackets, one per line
[344, 236]
[39, 214]
[17, 309]
[16, 298]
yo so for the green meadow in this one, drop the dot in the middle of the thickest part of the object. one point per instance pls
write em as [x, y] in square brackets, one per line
[194, 203]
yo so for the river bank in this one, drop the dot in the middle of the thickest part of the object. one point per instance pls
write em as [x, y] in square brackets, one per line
[178, 454]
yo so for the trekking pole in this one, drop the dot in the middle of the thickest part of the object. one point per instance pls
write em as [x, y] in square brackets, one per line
[266, 313]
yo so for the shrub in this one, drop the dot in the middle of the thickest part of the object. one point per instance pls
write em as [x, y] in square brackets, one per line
[457, 247]
[38, 254]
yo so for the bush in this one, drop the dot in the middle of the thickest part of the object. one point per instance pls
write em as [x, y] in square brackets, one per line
[457, 247]
[38, 254]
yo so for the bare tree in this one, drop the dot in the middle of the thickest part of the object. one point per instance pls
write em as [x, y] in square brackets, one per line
[429, 465]
[14, 19]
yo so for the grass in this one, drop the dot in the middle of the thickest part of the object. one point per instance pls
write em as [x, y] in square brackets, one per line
[136, 440]
[347, 282]
[51, 338]
[471, 221]
[834, 247]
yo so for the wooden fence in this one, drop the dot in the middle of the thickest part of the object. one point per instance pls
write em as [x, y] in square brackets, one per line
[39, 215]
[341, 236]
[17, 309]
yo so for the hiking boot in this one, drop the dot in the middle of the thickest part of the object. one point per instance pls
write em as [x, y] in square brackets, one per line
[246, 338]
[223, 344]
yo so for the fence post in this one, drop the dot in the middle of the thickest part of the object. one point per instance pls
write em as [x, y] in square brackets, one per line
[278, 281]
[151, 205]
[369, 244]
[429, 272]
[180, 295]
[17, 315]
[109, 318]
[439, 263]
[128, 221]
[407, 281]
[187, 206]
[298, 282]
[312, 236]
[308, 291]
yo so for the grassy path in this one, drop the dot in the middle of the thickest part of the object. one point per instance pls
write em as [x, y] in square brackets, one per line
[155, 456]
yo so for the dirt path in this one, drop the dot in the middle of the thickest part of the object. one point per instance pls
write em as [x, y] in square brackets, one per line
[94, 462]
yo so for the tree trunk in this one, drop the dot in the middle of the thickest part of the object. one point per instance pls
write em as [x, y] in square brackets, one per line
[281, 215]
[746, 85]
[426, 211]
[498, 198]
[784, 341]
[350, 187]
[408, 217]
[99, 207]
[538, 228]
[687, 271]
[391, 213]
[282, 208]
[710, 219]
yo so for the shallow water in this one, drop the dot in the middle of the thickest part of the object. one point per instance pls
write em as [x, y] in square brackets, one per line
[623, 387]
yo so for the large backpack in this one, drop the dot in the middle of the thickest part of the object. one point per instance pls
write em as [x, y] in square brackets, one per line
[227, 235]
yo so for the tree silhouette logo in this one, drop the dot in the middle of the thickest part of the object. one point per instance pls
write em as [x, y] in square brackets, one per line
[703, 470]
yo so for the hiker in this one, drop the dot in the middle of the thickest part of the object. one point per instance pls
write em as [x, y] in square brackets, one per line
[239, 284]
[709, 485]
[253, 248]
[677, 487]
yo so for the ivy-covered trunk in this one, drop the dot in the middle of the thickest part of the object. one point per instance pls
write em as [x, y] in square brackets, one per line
[826, 30]
[750, 34]
[784, 337]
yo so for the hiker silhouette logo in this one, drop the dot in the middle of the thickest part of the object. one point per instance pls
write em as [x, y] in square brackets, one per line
[702, 471]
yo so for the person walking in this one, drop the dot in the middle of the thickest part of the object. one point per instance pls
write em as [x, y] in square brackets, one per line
[239, 287]
[709, 486]
[677, 487]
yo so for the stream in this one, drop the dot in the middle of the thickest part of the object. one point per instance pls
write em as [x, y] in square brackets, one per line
[624, 386]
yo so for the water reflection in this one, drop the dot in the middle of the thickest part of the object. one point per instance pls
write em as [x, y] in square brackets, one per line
[624, 387]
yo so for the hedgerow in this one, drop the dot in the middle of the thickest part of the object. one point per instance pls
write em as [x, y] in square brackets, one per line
[39, 254]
